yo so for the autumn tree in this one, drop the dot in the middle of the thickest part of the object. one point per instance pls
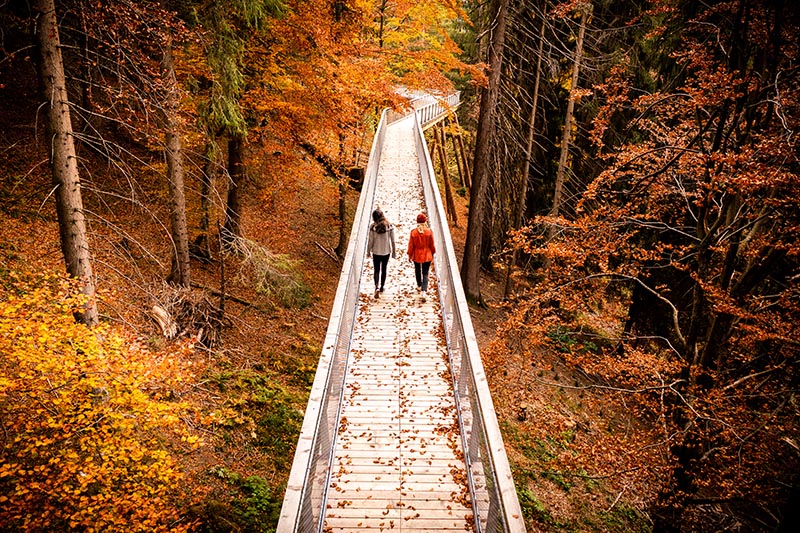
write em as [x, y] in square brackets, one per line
[323, 77]
[535, 79]
[173, 151]
[61, 151]
[127, 75]
[530, 168]
[157, 29]
[585, 10]
[522, 200]
[470, 266]
[92, 436]
[231, 28]
[691, 233]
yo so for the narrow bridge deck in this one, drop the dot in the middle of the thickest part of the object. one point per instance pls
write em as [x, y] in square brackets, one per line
[400, 431]
[398, 462]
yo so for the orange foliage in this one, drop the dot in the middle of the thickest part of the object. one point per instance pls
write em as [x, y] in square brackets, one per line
[321, 75]
[687, 243]
[91, 430]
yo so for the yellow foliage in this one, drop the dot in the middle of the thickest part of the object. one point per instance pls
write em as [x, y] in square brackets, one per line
[90, 432]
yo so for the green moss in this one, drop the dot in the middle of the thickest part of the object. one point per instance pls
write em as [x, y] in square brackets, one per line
[623, 518]
[532, 507]
[253, 505]
[264, 408]
[562, 339]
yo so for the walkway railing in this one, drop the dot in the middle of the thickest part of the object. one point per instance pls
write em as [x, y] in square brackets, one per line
[494, 495]
[430, 109]
[491, 485]
[302, 509]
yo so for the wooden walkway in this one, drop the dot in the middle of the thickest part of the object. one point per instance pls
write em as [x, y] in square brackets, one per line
[398, 459]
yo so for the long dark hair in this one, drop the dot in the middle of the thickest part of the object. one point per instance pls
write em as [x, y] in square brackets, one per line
[380, 225]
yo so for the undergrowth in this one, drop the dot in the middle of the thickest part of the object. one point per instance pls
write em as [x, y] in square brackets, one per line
[539, 467]
[264, 410]
[273, 275]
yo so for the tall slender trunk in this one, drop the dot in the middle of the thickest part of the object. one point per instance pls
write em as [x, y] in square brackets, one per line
[181, 267]
[433, 146]
[565, 138]
[454, 144]
[341, 178]
[202, 243]
[470, 267]
[232, 228]
[206, 182]
[87, 49]
[523, 193]
[463, 154]
[341, 246]
[382, 10]
[438, 131]
[66, 179]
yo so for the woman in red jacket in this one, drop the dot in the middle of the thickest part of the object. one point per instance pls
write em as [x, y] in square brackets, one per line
[420, 250]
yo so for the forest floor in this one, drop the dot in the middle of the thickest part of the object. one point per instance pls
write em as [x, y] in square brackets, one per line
[250, 389]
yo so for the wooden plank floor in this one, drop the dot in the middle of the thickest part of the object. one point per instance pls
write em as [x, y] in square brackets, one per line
[398, 460]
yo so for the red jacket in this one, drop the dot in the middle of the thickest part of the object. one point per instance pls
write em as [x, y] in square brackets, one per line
[420, 244]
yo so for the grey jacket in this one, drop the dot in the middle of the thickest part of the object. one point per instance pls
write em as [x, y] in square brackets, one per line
[380, 243]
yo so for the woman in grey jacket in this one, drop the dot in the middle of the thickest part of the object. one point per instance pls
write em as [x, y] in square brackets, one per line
[380, 246]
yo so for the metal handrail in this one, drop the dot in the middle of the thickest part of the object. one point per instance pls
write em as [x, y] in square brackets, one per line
[431, 110]
[303, 502]
[489, 473]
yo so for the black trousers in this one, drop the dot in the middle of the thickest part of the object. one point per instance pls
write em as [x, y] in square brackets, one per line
[421, 273]
[380, 262]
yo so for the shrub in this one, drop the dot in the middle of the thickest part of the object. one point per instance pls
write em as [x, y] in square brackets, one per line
[274, 275]
[89, 431]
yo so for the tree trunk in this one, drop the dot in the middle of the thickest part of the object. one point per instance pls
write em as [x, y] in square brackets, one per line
[341, 247]
[206, 183]
[565, 138]
[181, 268]
[382, 11]
[464, 164]
[523, 193]
[438, 131]
[493, 209]
[86, 83]
[202, 244]
[233, 219]
[66, 179]
[459, 166]
[432, 148]
[470, 268]
[462, 153]
[720, 330]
